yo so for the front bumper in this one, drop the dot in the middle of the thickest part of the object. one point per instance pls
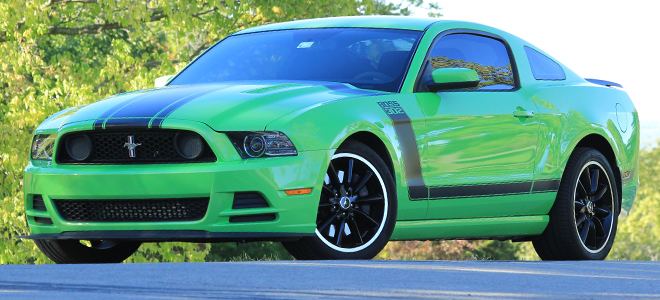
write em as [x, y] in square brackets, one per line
[295, 216]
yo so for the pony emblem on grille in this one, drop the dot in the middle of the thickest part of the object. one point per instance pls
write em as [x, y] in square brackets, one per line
[131, 146]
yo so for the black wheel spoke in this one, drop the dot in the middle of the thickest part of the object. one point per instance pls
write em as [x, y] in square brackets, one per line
[582, 191]
[334, 179]
[340, 233]
[355, 231]
[594, 180]
[325, 222]
[328, 191]
[602, 212]
[580, 219]
[600, 193]
[366, 217]
[579, 205]
[350, 173]
[585, 179]
[363, 182]
[369, 199]
[592, 230]
[600, 230]
[607, 223]
[584, 232]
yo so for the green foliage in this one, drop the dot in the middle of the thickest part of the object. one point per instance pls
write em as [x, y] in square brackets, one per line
[248, 251]
[638, 237]
[56, 54]
[451, 250]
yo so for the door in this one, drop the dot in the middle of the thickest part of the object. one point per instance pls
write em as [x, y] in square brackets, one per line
[480, 142]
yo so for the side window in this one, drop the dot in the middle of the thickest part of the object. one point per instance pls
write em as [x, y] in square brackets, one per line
[544, 68]
[487, 56]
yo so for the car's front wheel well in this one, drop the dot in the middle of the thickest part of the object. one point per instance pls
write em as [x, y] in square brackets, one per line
[372, 141]
[599, 143]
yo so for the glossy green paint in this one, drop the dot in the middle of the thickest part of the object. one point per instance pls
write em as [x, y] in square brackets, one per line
[451, 75]
[463, 139]
[470, 228]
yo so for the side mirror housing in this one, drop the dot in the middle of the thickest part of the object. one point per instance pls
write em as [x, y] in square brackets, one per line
[162, 81]
[452, 78]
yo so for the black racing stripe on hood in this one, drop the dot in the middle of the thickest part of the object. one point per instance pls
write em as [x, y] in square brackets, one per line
[98, 124]
[149, 106]
[138, 112]
[164, 113]
[133, 123]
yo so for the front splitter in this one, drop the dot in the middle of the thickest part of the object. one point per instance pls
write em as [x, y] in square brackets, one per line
[199, 236]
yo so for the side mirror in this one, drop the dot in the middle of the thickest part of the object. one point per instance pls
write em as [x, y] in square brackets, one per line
[162, 81]
[452, 78]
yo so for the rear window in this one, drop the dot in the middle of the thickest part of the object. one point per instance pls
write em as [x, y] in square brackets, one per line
[544, 68]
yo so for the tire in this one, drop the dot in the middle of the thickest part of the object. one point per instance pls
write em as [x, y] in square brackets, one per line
[357, 209]
[75, 252]
[583, 219]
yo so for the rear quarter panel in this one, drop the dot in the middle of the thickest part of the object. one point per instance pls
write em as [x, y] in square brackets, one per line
[572, 109]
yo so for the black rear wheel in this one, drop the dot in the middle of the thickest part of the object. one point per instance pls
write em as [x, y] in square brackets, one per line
[583, 219]
[87, 252]
[357, 209]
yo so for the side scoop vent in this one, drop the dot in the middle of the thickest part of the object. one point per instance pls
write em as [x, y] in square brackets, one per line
[38, 203]
[249, 200]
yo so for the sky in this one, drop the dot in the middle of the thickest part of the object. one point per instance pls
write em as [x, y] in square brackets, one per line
[609, 40]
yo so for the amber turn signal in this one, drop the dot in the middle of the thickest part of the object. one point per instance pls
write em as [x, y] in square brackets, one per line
[299, 192]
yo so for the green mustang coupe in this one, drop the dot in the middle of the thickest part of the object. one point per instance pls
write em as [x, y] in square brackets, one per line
[337, 135]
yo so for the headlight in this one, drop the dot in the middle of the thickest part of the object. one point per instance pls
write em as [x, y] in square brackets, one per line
[43, 145]
[251, 144]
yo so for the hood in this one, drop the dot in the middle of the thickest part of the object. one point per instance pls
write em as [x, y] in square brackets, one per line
[224, 107]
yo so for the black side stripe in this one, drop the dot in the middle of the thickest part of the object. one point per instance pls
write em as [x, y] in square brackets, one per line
[546, 186]
[485, 190]
[412, 166]
[418, 190]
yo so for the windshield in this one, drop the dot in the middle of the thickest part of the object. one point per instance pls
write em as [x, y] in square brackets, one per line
[374, 59]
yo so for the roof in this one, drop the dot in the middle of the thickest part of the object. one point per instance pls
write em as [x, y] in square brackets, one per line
[391, 22]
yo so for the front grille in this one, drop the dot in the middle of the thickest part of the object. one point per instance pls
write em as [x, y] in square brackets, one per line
[137, 210]
[153, 146]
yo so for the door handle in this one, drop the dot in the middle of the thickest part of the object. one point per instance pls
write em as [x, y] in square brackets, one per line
[524, 114]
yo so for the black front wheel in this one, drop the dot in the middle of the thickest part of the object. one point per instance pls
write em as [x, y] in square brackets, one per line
[357, 209]
[583, 219]
[87, 252]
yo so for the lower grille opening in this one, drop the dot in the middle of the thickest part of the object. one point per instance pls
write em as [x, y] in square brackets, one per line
[38, 203]
[252, 218]
[248, 200]
[43, 220]
[133, 210]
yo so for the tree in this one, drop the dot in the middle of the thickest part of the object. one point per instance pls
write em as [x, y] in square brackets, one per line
[638, 237]
[56, 54]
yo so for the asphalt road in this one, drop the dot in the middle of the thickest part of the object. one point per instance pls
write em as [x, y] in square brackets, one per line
[330, 279]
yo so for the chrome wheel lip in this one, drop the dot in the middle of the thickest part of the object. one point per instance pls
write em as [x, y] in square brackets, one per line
[609, 183]
[385, 209]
